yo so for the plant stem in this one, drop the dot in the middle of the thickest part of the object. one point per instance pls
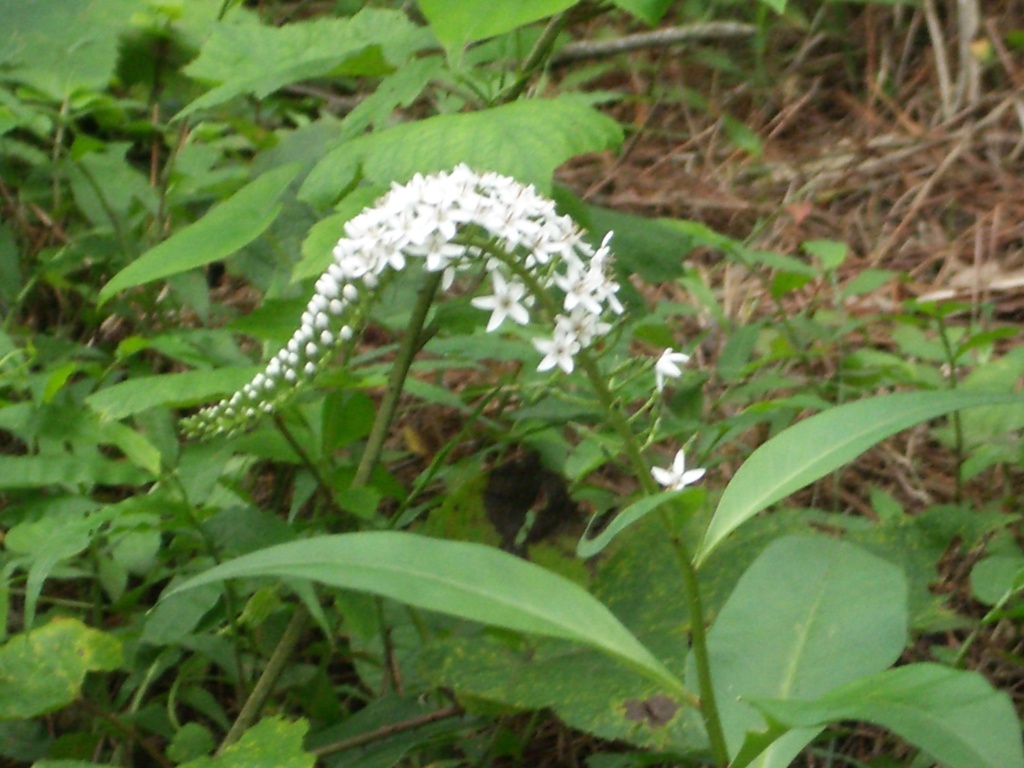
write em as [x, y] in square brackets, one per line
[308, 463]
[410, 344]
[396, 381]
[265, 685]
[698, 636]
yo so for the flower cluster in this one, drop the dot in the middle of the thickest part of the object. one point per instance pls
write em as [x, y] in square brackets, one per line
[422, 219]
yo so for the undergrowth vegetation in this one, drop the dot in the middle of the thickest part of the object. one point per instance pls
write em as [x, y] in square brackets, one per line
[507, 383]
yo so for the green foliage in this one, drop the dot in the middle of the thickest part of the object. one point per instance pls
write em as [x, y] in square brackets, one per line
[42, 670]
[462, 579]
[175, 174]
[271, 743]
[524, 139]
[223, 231]
[819, 445]
[809, 615]
[943, 710]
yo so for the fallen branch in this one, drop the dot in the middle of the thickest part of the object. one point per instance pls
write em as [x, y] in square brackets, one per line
[592, 49]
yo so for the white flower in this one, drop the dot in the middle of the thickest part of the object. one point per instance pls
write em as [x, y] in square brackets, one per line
[507, 301]
[422, 220]
[667, 366]
[678, 477]
[559, 349]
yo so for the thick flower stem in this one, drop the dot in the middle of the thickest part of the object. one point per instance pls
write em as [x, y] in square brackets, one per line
[698, 635]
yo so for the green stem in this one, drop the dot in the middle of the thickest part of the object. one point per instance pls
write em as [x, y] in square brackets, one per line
[265, 685]
[698, 635]
[309, 464]
[411, 343]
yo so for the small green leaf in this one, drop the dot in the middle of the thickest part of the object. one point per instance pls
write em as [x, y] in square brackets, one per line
[811, 449]
[831, 253]
[954, 716]
[272, 743]
[648, 11]
[227, 227]
[42, 670]
[462, 579]
[176, 389]
[588, 547]
[456, 22]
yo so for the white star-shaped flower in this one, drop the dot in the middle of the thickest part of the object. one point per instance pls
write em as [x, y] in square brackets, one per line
[507, 301]
[559, 349]
[667, 366]
[678, 477]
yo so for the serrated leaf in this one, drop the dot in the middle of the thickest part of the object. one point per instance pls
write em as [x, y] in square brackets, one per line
[89, 470]
[816, 446]
[78, 52]
[461, 579]
[259, 59]
[526, 139]
[133, 396]
[953, 715]
[42, 670]
[228, 226]
[456, 22]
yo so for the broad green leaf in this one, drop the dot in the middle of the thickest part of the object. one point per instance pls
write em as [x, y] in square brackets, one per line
[258, 59]
[42, 670]
[272, 743]
[639, 580]
[953, 715]
[227, 227]
[136, 448]
[133, 396]
[62, 46]
[811, 614]
[470, 581]
[456, 22]
[93, 469]
[816, 446]
[655, 249]
[526, 139]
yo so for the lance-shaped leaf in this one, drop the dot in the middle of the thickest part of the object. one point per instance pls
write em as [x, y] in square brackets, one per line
[456, 22]
[462, 579]
[227, 227]
[811, 449]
